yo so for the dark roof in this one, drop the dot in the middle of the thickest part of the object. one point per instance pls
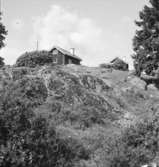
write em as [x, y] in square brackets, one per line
[117, 60]
[65, 52]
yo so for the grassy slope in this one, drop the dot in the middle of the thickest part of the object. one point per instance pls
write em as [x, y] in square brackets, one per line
[90, 104]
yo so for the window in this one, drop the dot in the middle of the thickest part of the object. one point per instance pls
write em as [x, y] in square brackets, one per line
[55, 52]
[55, 60]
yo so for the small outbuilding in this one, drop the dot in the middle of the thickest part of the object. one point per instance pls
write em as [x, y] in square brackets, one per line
[119, 64]
[64, 57]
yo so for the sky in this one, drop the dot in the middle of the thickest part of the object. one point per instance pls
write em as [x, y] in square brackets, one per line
[99, 30]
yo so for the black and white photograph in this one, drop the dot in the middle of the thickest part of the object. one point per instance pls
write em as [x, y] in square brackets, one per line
[79, 83]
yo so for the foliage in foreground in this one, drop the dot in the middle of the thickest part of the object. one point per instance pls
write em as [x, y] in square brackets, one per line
[2, 62]
[3, 33]
[26, 138]
[136, 146]
[145, 42]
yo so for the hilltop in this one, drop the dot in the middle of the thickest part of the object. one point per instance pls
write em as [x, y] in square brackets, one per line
[85, 104]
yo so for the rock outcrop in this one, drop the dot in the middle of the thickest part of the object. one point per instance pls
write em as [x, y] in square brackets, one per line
[85, 104]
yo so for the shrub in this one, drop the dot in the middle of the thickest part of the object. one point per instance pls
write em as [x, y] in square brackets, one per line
[136, 146]
[2, 62]
[116, 65]
[27, 139]
[30, 89]
[86, 117]
[35, 58]
[19, 73]
[105, 65]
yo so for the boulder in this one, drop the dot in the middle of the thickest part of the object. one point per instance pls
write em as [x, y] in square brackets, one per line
[137, 82]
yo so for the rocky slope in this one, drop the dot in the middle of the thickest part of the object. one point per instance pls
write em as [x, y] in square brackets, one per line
[85, 104]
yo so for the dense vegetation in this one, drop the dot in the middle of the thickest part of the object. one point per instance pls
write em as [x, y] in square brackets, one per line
[3, 34]
[64, 116]
[145, 42]
[2, 62]
[34, 58]
[120, 65]
[26, 138]
[137, 145]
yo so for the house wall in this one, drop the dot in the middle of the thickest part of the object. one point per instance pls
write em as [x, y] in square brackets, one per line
[57, 57]
[70, 60]
[61, 59]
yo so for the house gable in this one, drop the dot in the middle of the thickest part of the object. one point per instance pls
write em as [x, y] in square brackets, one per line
[64, 57]
[58, 57]
[55, 52]
[117, 59]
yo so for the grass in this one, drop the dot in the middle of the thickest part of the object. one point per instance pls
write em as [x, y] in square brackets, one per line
[90, 104]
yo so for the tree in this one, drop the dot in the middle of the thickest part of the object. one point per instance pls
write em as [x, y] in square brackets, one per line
[1, 61]
[3, 33]
[146, 40]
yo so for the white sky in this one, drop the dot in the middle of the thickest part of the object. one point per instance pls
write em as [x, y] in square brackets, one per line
[99, 29]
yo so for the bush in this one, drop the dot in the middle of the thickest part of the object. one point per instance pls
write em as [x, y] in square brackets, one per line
[116, 65]
[20, 72]
[2, 62]
[136, 146]
[104, 65]
[27, 139]
[35, 58]
[30, 89]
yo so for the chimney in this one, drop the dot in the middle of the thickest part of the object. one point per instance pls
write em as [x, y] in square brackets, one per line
[73, 51]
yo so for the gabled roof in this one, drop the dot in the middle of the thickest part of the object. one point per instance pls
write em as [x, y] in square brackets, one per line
[117, 59]
[65, 52]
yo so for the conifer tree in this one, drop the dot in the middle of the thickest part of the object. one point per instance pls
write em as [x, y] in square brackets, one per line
[146, 40]
[3, 34]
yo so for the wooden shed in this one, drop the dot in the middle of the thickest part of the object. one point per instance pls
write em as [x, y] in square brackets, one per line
[64, 57]
[119, 64]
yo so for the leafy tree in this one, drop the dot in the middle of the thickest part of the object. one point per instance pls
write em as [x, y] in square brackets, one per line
[1, 61]
[3, 33]
[146, 40]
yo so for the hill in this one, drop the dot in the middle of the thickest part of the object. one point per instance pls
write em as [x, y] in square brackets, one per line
[86, 104]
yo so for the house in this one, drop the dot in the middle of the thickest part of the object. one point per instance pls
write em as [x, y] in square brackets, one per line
[119, 64]
[64, 57]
